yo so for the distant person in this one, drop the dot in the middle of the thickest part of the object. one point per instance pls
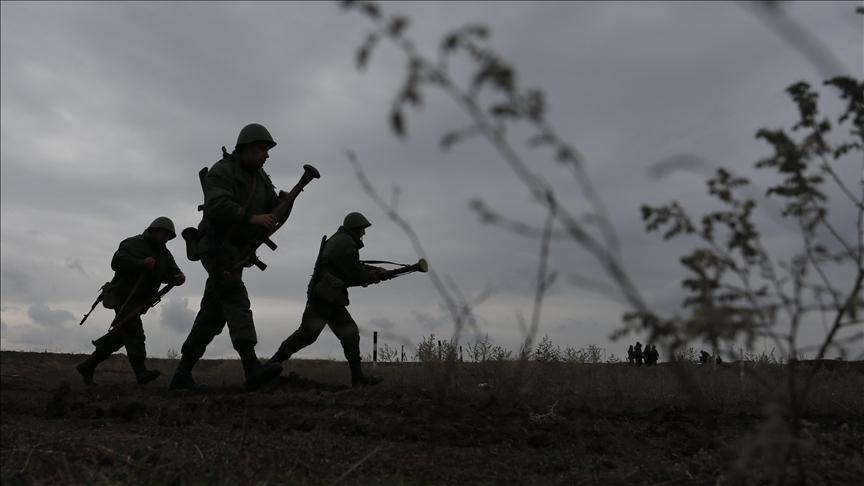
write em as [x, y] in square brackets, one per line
[651, 354]
[238, 198]
[718, 360]
[337, 268]
[631, 355]
[140, 265]
[637, 353]
[704, 357]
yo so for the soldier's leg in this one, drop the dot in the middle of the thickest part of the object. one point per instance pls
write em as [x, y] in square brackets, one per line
[238, 313]
[209, 322]
[311, 324]
[346, 330]
[133, 340]
[105, 345]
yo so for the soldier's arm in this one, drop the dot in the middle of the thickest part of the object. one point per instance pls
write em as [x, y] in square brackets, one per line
[218, 199]
[173, 274]
[272, 197]
[125, 259]
[347, 260]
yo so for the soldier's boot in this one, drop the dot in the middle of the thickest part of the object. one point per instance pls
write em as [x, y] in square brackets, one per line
[360, 379]
[279, 356]
[182, 379]
[88, 367]
[142, 374]
[256, 373]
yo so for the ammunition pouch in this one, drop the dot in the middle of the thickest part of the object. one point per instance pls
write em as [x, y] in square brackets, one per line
[331, 289]
[191, 236]
[109, 295]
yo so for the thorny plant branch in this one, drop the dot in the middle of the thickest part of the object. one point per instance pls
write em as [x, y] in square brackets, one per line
[826, 167]
[523, 106]
[544, 279]
[422, 69]
[772, 14]
[487, 215]
[461, 314]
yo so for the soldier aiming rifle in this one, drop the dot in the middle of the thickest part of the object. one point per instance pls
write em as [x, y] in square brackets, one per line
[338, 267]
[141, 264]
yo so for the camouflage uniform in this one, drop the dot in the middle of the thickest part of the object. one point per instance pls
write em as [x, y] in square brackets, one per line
[339, 268]
[128, 265]
[232, 195]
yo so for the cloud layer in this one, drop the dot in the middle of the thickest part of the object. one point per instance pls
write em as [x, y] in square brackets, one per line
[110, 109]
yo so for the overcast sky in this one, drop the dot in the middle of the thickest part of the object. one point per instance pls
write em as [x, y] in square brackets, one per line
[110, 109]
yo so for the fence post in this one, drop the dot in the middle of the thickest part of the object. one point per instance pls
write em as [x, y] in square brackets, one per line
[374, 347]
[402, 356]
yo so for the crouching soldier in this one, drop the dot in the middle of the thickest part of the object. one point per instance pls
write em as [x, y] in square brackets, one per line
[337, 268]
[141, 264]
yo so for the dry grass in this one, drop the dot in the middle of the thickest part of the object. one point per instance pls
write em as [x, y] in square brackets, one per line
[529, 423]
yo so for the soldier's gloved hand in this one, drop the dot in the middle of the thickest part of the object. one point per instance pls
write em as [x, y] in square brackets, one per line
[179, 279]
[267, 221]
[149, 263]
[373, 277]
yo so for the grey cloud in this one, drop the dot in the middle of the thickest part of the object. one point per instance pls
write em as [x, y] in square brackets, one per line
[65, 339]
[429, 323]
[176, 315]
[381, 323]
[15, 281]
[75, 264]
[109, 110]
[45, 316]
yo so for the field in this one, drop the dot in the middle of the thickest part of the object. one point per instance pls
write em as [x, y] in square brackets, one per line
[492, 423]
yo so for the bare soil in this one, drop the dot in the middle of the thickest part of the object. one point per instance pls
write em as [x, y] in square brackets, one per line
[309, 427]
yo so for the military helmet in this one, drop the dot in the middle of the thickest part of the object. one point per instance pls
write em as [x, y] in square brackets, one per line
[163, 223]
[356, 221]
[254, 132]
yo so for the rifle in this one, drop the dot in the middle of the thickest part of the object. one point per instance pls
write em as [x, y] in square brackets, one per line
[314, 279]
[191, 235]
[95, 303]
[281, 211]
[139, 310]
[420, 266]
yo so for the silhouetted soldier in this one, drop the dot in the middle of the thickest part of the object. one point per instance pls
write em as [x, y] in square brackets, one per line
[238, 196]
[631, 355]
[338, 267]
[141, 264]
[655, 356]
[719, 360]
[704, 357]
[637, 353]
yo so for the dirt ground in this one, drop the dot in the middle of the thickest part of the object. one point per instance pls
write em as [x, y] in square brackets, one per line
[309, 427]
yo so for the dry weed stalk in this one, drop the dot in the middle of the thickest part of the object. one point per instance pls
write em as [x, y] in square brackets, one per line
[737, 291]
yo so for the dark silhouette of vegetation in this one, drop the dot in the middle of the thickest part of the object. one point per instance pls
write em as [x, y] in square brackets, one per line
[737, 291]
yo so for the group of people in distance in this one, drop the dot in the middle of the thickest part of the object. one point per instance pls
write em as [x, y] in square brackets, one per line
[638, 356]
[705, 357]
[240, 203]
